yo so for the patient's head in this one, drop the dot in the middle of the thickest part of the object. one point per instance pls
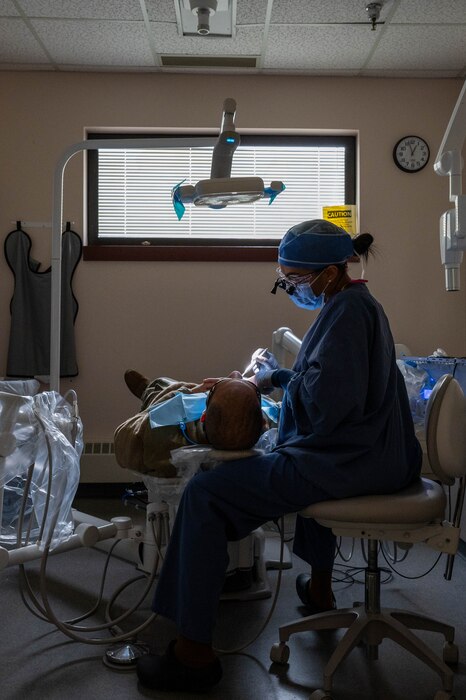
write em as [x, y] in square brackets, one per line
[233, 417]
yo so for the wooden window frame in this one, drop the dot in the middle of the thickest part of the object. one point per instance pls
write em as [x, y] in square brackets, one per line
[217, 250]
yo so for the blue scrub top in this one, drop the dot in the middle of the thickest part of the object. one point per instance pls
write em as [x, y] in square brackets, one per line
[345, 420]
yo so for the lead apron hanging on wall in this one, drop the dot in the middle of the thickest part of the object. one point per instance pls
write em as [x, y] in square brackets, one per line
[29, 347]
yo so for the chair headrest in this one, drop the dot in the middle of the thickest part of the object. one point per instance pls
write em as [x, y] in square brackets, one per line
[445, 425]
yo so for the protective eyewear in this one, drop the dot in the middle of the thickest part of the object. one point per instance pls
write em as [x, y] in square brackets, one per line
[290, 282]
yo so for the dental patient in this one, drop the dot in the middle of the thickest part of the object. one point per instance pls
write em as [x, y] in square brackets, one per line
[232, 421]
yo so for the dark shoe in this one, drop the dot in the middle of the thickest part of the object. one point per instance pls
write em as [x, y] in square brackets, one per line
[302, 589]
[167, 673]
[137, 383]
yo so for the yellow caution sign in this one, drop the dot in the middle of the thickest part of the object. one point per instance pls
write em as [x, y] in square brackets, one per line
[344, 216]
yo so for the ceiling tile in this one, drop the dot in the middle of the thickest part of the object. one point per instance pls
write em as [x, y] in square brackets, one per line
[314, 47]
[7, 9]
[251, 12]
[84, 9]
[17, 45]
[86, 43]
[431, 11]
[425, 38]
[161, 10]
[317, 11]
[248, 42]
[421, 47]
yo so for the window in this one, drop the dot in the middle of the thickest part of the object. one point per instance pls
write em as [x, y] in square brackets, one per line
[129, 196]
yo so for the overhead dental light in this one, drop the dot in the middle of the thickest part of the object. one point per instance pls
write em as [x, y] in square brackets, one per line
[222, 190]
[449, 162]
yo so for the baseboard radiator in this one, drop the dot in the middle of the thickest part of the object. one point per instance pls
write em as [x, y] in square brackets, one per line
[98, 465]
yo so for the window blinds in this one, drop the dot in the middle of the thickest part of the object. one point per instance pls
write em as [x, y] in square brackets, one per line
[134, 191]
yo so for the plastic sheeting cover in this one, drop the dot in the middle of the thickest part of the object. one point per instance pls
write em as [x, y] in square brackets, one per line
[40, 432]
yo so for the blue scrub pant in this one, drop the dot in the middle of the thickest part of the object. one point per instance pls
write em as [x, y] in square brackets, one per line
[227, 503]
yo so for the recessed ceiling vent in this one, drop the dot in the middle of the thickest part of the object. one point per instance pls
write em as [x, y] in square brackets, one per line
[205, 18]
[210, 61]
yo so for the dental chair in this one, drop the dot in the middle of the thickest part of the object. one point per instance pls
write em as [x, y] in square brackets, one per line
[144, 545]
[249, 558]
[415, 514]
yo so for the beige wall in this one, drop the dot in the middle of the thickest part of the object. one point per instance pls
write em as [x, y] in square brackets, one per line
[191, 320]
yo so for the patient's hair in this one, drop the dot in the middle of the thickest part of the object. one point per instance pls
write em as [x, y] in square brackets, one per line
[233, 418]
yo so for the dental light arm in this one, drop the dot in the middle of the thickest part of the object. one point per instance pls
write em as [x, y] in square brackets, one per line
[222, 189]
[449, 162]
[228, 142]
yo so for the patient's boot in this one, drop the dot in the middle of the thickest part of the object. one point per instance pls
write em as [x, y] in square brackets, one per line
[137, 383]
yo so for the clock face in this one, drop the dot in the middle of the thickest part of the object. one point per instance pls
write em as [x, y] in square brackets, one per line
[411, 154]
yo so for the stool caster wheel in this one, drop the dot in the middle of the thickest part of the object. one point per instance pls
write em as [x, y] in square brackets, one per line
[450, 653]
[444, 695]
[280, 653]
[320, 695]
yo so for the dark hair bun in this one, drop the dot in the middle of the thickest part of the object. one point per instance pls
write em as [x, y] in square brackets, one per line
[362, 243]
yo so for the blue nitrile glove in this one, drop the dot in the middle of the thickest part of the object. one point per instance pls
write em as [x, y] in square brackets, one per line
[267, 380]
[265, 365]
[263, 380]
[265, 361]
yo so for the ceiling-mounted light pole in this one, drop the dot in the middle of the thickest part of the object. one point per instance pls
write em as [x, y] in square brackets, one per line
[373, 10]
[205, 18]
[203, 9]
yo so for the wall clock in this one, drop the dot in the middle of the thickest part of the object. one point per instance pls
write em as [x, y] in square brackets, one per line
[411, 154]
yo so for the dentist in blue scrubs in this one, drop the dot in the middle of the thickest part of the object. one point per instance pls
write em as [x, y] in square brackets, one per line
[345, 430]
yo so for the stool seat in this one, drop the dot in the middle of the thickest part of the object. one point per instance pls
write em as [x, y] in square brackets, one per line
[420, 503]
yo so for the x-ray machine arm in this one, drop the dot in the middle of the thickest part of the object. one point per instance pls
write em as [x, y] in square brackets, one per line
[449, 161]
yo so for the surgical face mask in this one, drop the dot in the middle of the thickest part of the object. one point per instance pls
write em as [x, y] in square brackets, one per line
[182, 408]
[304, 297]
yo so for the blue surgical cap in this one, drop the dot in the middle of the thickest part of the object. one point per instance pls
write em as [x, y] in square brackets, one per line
[315, 244]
